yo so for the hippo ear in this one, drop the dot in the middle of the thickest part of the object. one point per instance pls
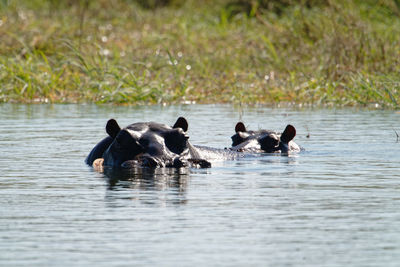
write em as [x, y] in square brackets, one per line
[181, 122]
[112, 128]
[240, 127]
[288, 134]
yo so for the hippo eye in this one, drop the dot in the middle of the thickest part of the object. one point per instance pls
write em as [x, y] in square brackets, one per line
[269, 142]
[243, 135]
[176, 141]
[239, 138]
[128, 142]
[236, 139]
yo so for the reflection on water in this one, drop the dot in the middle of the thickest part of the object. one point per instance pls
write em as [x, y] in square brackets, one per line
[147, 178]
[335, 204]
[141, 184]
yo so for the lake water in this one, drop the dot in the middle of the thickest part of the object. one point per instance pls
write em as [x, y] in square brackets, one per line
[335, 204]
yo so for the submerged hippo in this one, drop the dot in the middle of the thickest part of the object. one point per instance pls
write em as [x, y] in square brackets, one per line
[145, 144]
[264, 140]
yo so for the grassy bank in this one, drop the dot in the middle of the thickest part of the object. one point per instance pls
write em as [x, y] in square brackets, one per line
[337, 53]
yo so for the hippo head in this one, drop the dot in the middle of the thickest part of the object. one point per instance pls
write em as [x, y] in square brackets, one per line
[264, 140]
[147, 144]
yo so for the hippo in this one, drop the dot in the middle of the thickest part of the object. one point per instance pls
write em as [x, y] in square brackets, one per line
[145, 144]
[264, 140]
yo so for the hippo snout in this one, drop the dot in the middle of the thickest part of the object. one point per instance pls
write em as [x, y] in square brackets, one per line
[154, 162]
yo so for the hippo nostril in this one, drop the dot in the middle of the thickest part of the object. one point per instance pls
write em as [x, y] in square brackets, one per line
[202, 163]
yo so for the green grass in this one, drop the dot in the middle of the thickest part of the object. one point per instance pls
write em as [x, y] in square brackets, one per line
[344, 53]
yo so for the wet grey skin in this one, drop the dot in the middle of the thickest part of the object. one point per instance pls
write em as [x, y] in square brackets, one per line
[146, 144]
[264, 140]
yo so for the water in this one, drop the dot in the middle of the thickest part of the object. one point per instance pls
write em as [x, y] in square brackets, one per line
[336, 204]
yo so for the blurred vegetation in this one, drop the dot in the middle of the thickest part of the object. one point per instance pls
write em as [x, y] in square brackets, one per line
[172, 51]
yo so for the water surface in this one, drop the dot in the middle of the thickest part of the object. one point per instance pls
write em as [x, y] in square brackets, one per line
[336, 204]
